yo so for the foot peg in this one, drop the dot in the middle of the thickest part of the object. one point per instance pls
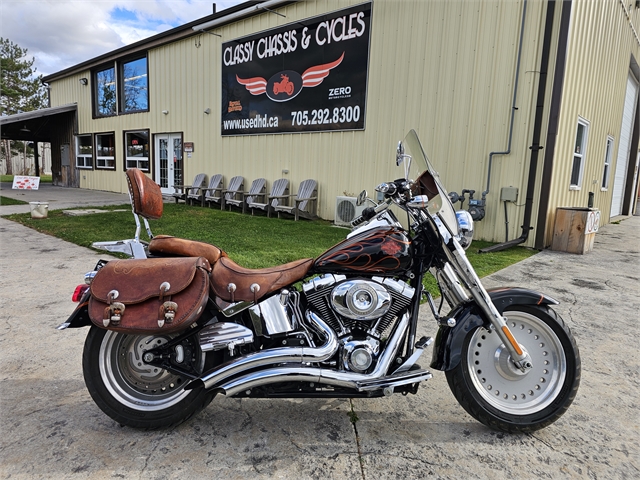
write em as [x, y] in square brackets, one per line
[424, 342]
[421, 344]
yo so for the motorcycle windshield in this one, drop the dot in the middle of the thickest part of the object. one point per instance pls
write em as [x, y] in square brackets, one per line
[427, 182]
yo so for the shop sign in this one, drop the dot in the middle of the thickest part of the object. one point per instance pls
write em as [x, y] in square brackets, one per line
[308, 76]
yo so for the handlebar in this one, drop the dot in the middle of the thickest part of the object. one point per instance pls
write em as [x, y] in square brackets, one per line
[370, 212]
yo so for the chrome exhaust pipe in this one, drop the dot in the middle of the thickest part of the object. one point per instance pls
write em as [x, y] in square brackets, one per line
[357, 381]
[322, 376]
[273, 356]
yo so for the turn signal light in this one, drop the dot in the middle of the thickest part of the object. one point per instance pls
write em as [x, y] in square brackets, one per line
[78, 293]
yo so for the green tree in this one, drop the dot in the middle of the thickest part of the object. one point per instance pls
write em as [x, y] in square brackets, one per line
[21, 90]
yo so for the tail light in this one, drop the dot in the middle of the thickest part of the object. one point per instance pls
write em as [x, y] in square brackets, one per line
[79, 292]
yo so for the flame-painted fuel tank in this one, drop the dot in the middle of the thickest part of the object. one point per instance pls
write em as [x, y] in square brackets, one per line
[383, 251]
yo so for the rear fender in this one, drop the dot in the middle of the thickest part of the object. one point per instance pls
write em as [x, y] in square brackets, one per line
[80, 316]
[449, 340]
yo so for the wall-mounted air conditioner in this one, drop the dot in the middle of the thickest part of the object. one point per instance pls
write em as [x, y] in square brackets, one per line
[347, 210]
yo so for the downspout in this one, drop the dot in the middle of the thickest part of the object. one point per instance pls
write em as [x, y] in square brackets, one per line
[552, 132]
[537, 129]
[513, 103]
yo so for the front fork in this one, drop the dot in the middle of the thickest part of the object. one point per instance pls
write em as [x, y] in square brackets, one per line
[458, 258]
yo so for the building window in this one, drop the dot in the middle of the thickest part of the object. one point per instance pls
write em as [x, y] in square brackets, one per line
[607, 163]
[135, 88]
[579, 152]
[106, 150]
[137, 150]
[124, 92]
[84, 151]
[105, 92]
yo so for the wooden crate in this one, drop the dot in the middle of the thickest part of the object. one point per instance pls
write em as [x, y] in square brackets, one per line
[575, 229]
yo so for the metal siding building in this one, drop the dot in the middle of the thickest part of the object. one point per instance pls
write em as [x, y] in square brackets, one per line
[603, 51]
[447, 69]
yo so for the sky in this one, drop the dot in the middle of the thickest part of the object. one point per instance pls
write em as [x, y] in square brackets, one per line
[61, 33]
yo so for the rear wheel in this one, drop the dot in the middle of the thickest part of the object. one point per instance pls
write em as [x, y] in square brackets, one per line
[135, 393]
[491, 389]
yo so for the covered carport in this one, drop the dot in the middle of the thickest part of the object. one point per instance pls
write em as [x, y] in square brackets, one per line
[54, 125]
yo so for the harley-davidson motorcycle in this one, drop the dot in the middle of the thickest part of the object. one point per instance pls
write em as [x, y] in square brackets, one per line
[181, 322]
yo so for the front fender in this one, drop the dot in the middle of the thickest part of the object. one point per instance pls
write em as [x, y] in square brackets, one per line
[449, 340]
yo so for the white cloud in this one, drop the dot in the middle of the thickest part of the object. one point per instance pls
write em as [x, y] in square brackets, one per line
[62, 33]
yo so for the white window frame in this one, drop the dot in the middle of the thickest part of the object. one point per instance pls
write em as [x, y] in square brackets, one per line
[84, 160]
[579, 154]
[606, 173]
[136, 161]
[105, 162]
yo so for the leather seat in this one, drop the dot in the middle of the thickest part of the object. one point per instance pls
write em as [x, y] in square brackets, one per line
[168, 246]
[233, 283]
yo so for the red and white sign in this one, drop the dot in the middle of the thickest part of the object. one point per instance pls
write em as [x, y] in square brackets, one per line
[22, 182]
[593, 222]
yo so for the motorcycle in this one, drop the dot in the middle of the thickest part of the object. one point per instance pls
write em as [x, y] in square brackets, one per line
[343, 325]
[283, 86]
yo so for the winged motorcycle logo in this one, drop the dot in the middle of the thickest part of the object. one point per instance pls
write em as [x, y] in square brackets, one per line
[286, 85]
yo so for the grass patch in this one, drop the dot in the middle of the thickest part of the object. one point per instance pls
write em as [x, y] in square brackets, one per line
[251, 241]
[10, 201]
[43, 178]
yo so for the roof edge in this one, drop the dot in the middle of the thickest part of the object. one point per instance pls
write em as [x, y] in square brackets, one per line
[159, 39]
[43, 112]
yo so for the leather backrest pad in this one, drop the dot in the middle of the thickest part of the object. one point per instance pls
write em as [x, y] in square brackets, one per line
[145, 193]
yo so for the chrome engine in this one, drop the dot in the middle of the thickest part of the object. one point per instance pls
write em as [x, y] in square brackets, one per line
[335, 333]
[360, 304]
[359, 310]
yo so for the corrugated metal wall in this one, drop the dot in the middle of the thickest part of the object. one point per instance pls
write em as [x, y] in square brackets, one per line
[444, 68]
[602, 42]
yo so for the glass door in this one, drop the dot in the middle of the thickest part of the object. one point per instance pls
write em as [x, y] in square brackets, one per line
[169, 165]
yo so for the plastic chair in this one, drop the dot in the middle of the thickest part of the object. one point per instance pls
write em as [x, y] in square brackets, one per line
[305, 202]
[279, 194]
[213, 193]
[192, 192]
[233, 194]
[257, 191]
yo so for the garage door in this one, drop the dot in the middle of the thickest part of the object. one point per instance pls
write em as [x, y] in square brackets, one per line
[622, 163]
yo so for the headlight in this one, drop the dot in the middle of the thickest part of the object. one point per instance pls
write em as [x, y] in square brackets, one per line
[465, 228]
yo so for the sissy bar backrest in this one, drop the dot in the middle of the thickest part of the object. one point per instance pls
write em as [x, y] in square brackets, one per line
[146, 201]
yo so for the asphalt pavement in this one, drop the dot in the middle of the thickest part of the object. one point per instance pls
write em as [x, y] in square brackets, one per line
[50, 428]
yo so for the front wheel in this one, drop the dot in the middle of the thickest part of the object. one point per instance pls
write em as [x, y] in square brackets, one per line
[137, 394]
[492, 390]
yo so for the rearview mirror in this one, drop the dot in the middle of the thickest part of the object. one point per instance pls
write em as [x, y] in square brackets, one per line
[401, 158]
[399, 154]
[362, 197]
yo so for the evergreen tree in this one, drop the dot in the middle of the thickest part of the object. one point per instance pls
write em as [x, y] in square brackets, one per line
[20, 89]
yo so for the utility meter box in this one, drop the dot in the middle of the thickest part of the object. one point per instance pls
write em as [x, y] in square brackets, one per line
[509, 194]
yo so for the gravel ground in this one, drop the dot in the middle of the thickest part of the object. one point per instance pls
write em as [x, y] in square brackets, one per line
[52, 429]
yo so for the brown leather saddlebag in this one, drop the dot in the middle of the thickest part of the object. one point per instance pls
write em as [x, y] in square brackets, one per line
[154, 295]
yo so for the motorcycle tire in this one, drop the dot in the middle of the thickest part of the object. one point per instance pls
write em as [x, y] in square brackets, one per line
[493, 391]
[136, 394]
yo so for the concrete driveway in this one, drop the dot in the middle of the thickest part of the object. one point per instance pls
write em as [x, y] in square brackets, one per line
[50, 427]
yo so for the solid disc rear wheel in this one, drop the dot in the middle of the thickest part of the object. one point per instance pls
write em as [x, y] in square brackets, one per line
[133, 392]
[489, 386]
